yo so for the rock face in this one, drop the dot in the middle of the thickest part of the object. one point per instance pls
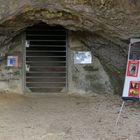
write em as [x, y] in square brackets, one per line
[104, 26]
[86, 79]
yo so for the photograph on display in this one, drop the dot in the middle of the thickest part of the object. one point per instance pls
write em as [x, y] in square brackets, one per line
[133, 68]
[134, 89]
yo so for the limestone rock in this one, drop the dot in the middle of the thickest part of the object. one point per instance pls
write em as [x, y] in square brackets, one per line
[105, 26]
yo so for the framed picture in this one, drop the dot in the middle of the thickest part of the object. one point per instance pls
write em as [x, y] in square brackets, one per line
[133, 66]
[134, 89]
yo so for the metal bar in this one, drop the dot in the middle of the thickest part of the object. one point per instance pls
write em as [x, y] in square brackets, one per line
[43, 72]
[46, 87]
[47, 66]
[46, 82]
[46, 56]
[57, 46]
[52, 35]
[43, 51]
[45, 30]
[24, 62]
[46, 34]
[120, 113]
[35, 40]
[67, 61]
[45, 77]
[45, 62]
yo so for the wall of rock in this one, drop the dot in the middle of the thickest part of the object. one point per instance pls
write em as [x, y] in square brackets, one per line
[11, 77]
[86, 79]
[83, 79]
[104, 26]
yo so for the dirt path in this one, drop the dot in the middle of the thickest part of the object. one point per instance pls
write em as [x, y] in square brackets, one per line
[67, 118]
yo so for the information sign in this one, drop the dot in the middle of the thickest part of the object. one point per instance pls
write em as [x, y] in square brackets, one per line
[131, 89]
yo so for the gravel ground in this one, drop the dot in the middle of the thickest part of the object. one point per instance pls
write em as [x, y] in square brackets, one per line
[67, 118]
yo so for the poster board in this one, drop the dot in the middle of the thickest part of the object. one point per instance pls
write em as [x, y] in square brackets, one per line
[131, 90]
[82, 57]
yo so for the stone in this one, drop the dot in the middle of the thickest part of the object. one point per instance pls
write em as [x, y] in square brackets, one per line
[87, 79]
[103, 26]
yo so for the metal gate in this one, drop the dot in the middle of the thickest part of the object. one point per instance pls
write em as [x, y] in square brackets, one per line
[46, 59]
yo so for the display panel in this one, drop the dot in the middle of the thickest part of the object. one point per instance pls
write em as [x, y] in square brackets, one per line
[131, 89]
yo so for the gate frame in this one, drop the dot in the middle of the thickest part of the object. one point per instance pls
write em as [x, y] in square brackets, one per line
[24, 88]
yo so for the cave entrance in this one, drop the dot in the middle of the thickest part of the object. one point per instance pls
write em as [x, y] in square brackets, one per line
[46, 59]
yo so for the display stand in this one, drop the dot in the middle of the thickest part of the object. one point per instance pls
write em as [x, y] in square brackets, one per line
[131, 90]
[120, 112]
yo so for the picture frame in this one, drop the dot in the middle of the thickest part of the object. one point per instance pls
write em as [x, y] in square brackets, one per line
[133, 66]
[134, 89]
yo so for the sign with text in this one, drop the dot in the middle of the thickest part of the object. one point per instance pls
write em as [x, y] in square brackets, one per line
[82, 57]
[131, 89]
[12, 61]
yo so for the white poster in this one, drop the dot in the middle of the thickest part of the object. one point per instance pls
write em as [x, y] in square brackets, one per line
[131, 89]
[82, 57]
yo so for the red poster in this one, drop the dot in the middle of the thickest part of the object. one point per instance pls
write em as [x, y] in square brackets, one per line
[134, 89]
[133, 66]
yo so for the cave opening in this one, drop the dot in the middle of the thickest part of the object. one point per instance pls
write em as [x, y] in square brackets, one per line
[45, 59]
